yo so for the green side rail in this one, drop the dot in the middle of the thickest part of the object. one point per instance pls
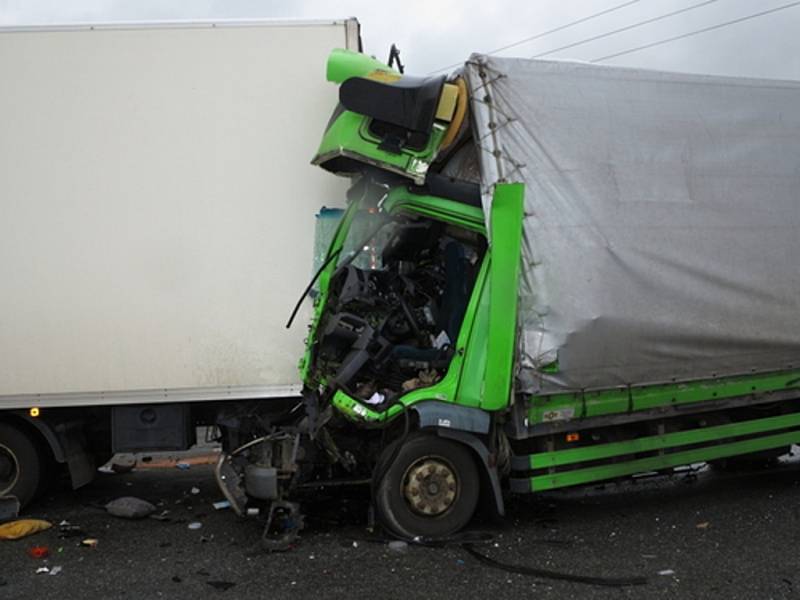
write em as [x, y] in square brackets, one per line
[549, 460]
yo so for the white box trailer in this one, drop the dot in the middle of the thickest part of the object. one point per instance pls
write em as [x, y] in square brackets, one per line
[156, 226]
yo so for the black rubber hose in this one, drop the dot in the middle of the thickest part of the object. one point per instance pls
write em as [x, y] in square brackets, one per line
[546, 574]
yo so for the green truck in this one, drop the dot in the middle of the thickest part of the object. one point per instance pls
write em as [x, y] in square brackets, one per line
[548, 274]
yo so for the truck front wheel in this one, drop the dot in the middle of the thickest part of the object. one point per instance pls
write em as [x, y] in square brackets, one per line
[21, 464]
[430, 489]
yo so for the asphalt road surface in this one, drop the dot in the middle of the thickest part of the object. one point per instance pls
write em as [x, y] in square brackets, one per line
[710, 535]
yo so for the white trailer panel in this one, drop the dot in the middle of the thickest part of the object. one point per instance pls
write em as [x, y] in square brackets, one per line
[157, 207]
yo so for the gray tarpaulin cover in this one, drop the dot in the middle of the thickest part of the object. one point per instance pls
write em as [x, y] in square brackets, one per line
[662, 227]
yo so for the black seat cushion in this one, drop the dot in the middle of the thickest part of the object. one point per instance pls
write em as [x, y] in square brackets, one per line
[409, 102]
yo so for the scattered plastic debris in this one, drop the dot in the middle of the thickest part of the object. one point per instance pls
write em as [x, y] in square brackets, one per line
[398, 546]
[129, 507]
[183, 466]
[9, 508]
[376, 398]
[90, 543]
[162, 516]
[703, 525]
[441, 340]
[42, 570]
[68, 530]
[39, 552]
[222, 504]
[667, 572]
[253, 512]
[195, 525]
[24, 527]
[55, 570]
[195, 491]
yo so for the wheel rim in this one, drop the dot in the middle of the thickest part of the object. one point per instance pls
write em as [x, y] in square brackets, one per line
[9, 470]
[430, 486]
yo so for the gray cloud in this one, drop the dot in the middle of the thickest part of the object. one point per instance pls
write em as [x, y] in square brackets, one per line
[434, 33]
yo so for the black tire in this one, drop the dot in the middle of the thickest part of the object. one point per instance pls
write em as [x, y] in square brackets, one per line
[450, 467]
[21, 464]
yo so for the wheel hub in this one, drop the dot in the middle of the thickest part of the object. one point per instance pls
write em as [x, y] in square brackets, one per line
[430, 486]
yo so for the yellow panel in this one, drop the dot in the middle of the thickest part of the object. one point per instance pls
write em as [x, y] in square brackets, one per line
[447, 102]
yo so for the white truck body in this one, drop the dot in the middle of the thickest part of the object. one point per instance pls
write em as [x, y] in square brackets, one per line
[156, 204]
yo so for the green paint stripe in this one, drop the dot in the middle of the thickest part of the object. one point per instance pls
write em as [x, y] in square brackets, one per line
[656, 442]
[616, 401]
[653, 463]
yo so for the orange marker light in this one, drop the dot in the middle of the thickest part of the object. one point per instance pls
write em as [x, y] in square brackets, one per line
[573, 437]
[34, 411]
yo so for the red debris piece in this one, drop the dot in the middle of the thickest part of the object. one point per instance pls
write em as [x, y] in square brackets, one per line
[39, 552]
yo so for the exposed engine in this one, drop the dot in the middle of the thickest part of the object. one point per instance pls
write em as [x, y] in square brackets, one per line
[391, 323]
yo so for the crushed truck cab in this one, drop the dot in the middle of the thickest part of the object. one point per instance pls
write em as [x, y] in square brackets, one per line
[452, 356]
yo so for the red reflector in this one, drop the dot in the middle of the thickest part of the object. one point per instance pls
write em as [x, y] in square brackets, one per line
[573, 437]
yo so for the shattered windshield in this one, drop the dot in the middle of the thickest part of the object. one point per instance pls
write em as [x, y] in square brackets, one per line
[397, 300]
[366, 240]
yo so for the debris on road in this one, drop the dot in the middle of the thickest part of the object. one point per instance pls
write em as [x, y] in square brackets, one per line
[666, 572]
[55, 570]
[90, 543]
[39, 552]
[398, 546]
[9, 508]
[129, 507]
[68, 530]
[195, 491]
[42, 570]
[119, 466]
[195, 525]
[16, 530]
[183, 466]
[222, 504]
[703, 525]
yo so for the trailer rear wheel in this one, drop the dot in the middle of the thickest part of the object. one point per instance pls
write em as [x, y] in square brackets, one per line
[430, 490]
[21, 464]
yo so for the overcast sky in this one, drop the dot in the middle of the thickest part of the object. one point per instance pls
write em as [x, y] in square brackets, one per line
[435, 33]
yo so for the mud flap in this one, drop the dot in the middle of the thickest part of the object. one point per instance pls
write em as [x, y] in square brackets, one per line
[229, 483]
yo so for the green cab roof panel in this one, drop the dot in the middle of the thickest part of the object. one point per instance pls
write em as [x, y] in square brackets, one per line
[384, 119]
